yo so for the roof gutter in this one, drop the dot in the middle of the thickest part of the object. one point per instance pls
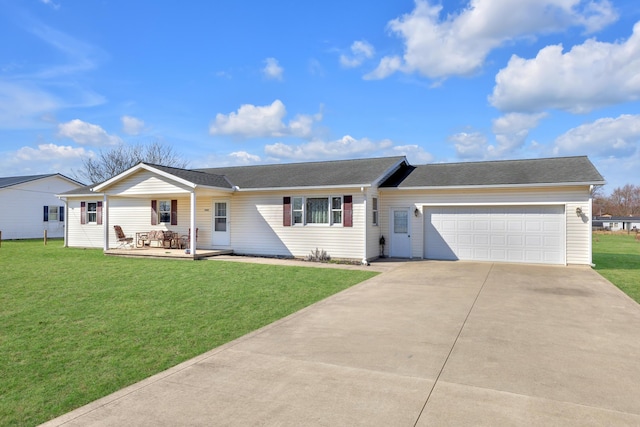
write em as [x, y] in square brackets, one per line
[315, 187]
[471, 187]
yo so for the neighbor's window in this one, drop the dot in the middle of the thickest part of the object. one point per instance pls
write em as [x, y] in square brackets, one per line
[53, 213]
[317, 210]
[92, 212]
[374, 210]
[336, 210]
[164, 211]
[297, 210]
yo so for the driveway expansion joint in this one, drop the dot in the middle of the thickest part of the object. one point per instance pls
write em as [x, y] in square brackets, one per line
[455, 341]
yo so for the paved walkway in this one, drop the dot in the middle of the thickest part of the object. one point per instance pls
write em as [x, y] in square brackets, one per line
[425, 343]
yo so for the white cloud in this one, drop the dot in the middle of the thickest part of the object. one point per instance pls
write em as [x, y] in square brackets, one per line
[263, 121]
[415, 154]
[469, 145]
[50, 152]
[387, 66]
[345, 147]
[51, 3]
[590, 75]
[458, 44]
[131, 125]
[511, 131]
[44, 158]
[360, 51]
[251, 121]
[244, 158]
[86, 133]
[607, 137]
[272, 69]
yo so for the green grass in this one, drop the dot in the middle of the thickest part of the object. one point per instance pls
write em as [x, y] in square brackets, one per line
[77, 325]
[617, 258]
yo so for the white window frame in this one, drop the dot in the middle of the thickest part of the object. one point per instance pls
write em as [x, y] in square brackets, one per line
[302, 211]
[92, 212]
[164, 212]
[54, 214]
[374, 211]
[333, 210]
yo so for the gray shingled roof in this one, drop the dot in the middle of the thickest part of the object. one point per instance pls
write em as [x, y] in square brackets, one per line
[197, 177]
[310, 174]
[15, 180]
[82, 191]
[505, 172]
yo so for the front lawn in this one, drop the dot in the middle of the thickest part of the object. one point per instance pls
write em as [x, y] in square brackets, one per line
[77, 325]
[617, 258]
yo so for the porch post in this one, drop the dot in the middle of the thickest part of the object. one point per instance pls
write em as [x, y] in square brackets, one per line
[64, 224]
[105, 222]
[192, 235]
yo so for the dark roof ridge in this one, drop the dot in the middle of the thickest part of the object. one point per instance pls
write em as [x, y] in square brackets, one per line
[9, 181]
[503, 160]
[312, 162]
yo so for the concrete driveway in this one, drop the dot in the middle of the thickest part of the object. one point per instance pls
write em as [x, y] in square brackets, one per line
[427, 343]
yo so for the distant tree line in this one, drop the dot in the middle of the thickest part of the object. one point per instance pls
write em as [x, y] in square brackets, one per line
[623, 201]
[109, 163]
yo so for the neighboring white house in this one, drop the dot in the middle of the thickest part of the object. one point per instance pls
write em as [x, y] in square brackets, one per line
[530, 211]
[616, 223]
[30, 205]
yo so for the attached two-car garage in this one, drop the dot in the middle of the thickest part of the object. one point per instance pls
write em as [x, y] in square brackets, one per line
[529, 233]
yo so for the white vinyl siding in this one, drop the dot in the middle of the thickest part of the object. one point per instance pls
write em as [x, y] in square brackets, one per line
[257, 227]
[145, 183]
[578, 232]
[83, 235]
[374, 231]
[23, 207]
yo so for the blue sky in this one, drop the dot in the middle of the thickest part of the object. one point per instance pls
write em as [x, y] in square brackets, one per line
[248, 82]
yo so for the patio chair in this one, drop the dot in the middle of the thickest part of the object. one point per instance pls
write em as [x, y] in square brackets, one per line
[184, 239]
[123, 240]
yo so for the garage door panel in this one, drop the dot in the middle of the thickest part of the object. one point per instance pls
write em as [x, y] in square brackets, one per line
[513, 225]
[498, 240]
[533, 234]
[515, 240]
[481, 239]
[481, 225]
[533, 241]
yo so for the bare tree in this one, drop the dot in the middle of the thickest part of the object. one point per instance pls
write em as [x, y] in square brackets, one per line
[625, 200]
[600, 200]
[109, 163]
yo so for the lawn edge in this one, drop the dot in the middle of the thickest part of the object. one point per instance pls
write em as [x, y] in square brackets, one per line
[119, 394]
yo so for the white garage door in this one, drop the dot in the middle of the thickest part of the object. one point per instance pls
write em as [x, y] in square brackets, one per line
[530, 234]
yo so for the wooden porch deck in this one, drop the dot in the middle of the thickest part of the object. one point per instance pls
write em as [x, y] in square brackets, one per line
[148, 252]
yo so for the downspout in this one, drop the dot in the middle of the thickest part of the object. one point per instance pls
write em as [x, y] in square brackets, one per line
[590, 228]
[192, 222]
[105, 221]
[365, 261]
[64, 224]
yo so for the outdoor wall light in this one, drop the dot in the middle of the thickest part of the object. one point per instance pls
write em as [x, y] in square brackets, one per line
[579, 211]
[416, 212]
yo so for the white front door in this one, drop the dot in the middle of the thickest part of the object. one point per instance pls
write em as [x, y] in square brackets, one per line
[400, 233]
[221, 235]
